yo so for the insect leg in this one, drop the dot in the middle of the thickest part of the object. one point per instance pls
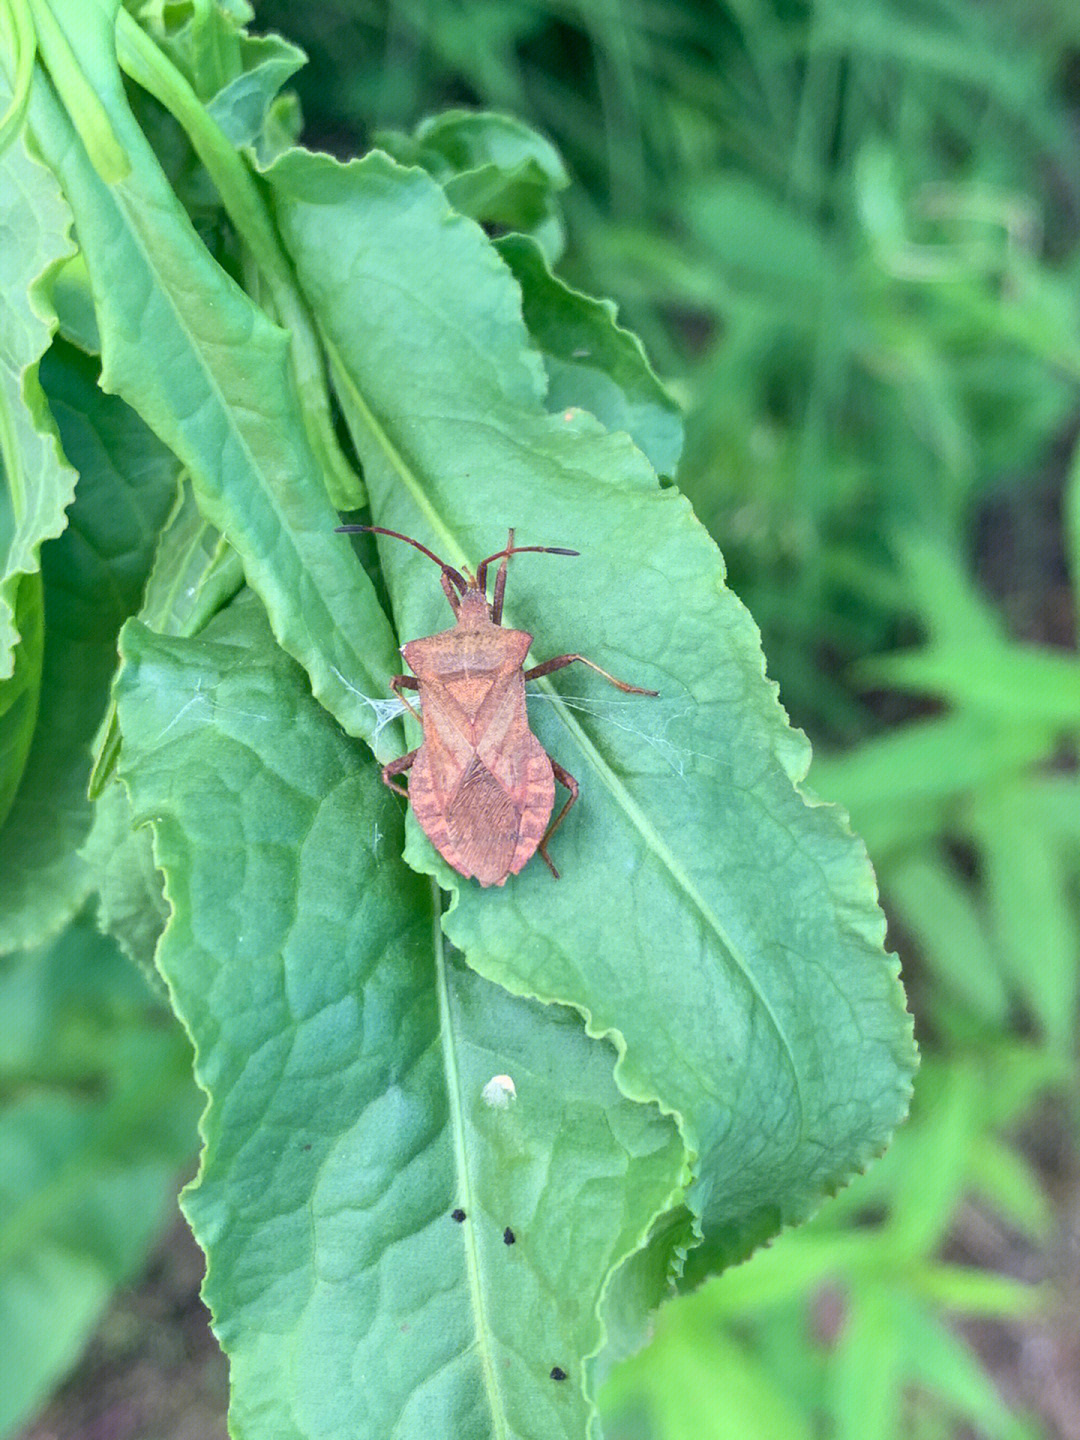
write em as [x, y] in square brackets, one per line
[406, 682]
[561, 661]
[500, 583]
[398, 767]
[448, 589]
[567, 780]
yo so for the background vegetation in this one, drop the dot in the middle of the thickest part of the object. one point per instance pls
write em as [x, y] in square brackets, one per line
[848, 236]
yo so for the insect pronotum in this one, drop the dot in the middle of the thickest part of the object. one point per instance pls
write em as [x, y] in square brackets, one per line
[481, 785]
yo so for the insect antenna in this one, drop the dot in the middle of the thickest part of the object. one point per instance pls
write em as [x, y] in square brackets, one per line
[481, 569]
[455, 576]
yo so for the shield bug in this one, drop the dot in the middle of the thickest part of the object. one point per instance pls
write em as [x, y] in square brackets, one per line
[481, 785]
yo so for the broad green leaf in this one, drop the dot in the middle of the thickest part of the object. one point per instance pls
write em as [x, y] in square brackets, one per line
[94, 575]
[69, 294]
[195, 573]
[242, 201]
[19, 43]
[719, 927]
[131, 902]
[97, 1117]
[20, 692]
[494, 168]
[235, 75]
[592, 363]
[242, 106]
[638, 1287]
[348, 1057]
[36, 485]
[180, 339]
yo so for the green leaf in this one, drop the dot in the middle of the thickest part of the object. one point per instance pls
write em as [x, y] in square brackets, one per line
[943, 595]
[346, 1056]
[972, 1291]
[20, 692]
[592, 363]
[38, 485]
[939, 910]
[1007, 1182]
[235, 75]
[494, 168]
[929, 1189]
[97, 1116]
[718, 926]
[94, 576]
[62, 51]
[1010, 683]
[195, 573]
[131, 901]
[69, 294]
[1071, 517]
[901, 786]
[180, 339]
[20, 47]
[940, 1363]
[702, 1383]
[1030, 892]
[245, 206]
[242, 107]
[867, 1368]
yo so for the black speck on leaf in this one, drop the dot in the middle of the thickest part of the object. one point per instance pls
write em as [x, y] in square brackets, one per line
[458, 1215]
[558, 1373]
[509, 1237]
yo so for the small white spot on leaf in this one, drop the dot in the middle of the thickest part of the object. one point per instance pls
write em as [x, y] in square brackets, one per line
[498, 1092]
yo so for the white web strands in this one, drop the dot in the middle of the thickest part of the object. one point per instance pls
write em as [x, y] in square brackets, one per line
[646, 719]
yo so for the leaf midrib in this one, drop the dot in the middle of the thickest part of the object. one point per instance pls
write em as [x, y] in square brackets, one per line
[484, 1343]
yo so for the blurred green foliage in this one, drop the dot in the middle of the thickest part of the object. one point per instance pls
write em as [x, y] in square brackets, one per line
[847, 234]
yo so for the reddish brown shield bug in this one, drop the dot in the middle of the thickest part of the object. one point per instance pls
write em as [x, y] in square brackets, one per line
[481, 784]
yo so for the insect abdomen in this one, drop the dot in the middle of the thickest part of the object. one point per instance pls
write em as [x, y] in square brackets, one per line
[483, 824]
